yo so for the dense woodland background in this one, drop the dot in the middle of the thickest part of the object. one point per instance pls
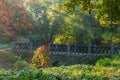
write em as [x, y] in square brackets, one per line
[60, 21]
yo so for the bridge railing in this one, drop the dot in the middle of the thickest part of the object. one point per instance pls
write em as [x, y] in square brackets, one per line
[67, 49]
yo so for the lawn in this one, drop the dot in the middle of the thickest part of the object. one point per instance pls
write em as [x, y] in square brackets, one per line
[4, 46]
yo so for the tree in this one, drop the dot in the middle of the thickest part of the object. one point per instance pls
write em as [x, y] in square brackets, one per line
[79, 28]
[107, 11]
[48, 20]
[13, 17]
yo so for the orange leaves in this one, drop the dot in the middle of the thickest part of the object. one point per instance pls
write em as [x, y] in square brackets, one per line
[22, 11]
[31, 1]
[12, 17]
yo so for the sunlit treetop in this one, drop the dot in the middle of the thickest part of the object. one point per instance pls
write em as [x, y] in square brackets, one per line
[107, 11]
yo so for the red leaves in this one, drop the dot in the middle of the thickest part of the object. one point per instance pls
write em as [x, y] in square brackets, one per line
[12, 18]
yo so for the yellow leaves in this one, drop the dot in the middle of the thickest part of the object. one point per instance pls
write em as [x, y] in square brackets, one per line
[76, 72]
[103, 21]
[62, 39]
[41, 57]
[115, 40]
[102, 72]
[115, 62]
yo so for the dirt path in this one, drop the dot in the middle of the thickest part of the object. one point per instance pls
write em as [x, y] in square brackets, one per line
[4, 50]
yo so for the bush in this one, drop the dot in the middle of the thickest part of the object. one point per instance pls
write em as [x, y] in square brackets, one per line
[20, 64]
[41, 57]
[26, 74]
[7, 60]
[62, 63]
[73, 72]
[104, 62]
[84, 72]
[114, 61]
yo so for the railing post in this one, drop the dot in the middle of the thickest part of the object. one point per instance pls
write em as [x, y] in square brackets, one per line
[30, 48]
[75, 48]
[56, 48]
[13, 47]
[49, 46]
[68, 50]
[89, 49]
[95, 48]
[112, 49]
[89, 52]
[68, 54]
[117, 49]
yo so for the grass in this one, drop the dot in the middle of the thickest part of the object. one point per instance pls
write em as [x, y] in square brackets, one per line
[4, 46]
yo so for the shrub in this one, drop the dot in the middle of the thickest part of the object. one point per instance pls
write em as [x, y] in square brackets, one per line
[7, 60]
[73, 72]
[59, 63]
[104, 62]
[41, 57]
[26, 74]
[114, 61]
[77, 72]
[20, 64]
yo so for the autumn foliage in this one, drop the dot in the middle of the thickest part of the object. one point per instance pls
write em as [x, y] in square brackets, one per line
[41, 57]
[13, 17]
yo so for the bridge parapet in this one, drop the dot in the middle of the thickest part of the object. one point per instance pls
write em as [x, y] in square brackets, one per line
[67, 49]
[71, 54]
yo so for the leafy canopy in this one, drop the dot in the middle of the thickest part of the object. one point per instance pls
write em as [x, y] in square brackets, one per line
[107, 11]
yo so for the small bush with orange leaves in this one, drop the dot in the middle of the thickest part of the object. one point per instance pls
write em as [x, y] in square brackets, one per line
[41, 57]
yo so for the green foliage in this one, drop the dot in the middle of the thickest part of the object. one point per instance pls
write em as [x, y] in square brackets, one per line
[76, 72]
[107, 36]
[104, 62]
[80, 72]
[53, 25]
[73, 72]
[3, 39]
[56, 26]
[61, 64]
[114, 61]
[78, 28]
[4, 46]
[20, 64]
[26, 74]
[107, 11]
[8, 60]
[41, 57]
[48, 20]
